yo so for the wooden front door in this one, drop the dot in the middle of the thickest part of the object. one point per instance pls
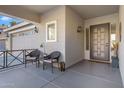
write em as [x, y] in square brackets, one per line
[100, 42]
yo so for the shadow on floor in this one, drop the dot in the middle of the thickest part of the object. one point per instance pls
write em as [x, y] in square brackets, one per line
[81, 75]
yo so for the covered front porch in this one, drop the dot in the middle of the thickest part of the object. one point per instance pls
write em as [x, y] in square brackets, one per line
[64, 30]
[81, 75]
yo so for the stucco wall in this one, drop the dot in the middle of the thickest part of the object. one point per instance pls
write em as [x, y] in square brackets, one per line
[74, 40]
[121, 44]
[57, 14]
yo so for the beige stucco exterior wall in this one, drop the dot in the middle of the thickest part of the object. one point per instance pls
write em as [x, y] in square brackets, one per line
[121, 44]
[69, 41]
[73, 40]
[56, 14]
[112, 19]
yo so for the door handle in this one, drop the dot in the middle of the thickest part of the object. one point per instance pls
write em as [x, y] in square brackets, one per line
[107, 44]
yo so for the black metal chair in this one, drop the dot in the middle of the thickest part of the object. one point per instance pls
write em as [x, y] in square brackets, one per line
[51, 59]
[33, 57]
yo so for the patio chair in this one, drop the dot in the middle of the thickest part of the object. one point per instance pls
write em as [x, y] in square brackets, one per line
[33, 56]
[51, 59]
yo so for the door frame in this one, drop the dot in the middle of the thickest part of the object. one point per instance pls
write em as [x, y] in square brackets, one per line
[109, 51]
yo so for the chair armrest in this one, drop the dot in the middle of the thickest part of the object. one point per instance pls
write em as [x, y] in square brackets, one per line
[47, 57]
[54, 60]
[27, 55]
[45, 54]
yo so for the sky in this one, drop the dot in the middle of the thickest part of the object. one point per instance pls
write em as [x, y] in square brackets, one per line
[6, 20]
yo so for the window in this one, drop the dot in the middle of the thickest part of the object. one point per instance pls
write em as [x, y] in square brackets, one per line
[113, 35]
[87, 39]
[24, 33]
[113, 39]
[51, 34]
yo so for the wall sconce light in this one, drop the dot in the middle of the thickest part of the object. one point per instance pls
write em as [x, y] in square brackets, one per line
[36, 30]
[7, 35]
[79, 29]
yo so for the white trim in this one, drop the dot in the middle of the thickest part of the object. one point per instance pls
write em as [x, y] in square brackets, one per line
[3, 38]
[52, 22]
[15, 27]
[89, 58]
[22, 29]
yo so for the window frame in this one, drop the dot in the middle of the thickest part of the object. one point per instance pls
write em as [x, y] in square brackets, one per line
[47, 24]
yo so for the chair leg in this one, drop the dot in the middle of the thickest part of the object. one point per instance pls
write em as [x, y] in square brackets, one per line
[25, 64]
[38, 63]
[52, 67]
[58, 65]
[43, 65]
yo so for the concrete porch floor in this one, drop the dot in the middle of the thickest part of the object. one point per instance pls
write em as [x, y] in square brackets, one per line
[81, 75]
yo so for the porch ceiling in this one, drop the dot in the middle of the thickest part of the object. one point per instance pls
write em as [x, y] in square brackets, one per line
[39, 8]
[90, 11]
[32, 12]
[86, 11]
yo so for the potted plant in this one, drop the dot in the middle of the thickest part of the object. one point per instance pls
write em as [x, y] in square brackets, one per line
[115, 59]
[13, 23]
[115, 48]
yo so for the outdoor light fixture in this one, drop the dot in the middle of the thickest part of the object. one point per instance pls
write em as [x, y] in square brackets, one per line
[79, 29]
[36, 30]
[7, 35]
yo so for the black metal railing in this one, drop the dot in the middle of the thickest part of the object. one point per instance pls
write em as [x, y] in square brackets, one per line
[9, 58]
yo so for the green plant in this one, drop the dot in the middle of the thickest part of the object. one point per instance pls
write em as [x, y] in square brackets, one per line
[13, 23]
[115, 48]
[3, 24]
